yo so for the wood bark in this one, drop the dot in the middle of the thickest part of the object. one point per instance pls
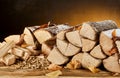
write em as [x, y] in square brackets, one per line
[91, 30]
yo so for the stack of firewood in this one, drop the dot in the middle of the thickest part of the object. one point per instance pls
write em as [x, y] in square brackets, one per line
[88, 46]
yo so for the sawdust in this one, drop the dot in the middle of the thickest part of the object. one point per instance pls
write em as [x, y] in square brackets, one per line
[34, 62]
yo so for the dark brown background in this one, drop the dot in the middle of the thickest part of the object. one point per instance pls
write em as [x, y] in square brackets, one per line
[16, 14]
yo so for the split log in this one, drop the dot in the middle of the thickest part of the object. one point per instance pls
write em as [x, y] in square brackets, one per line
[28, 37]
[75, 62]
[14, 38]
[61, 35]
[77, 57]
[2, 43]
[18, 52]
[91, 30]
[26, 53]
[46, 33]
[5, 48]
[71, 50]
[67, 48]
[42, 35]
[87, 45]
[111, 63]
[90, 62]
[48, 45]
[74, 38]
[62, 45]
[9, 59]
[97, 52]
[55, 57]
[33, 50]
[107, 43]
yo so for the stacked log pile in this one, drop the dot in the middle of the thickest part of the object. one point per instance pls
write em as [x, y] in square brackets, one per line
[88, 46]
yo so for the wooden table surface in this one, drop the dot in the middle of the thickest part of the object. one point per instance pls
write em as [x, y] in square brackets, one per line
[12, 73]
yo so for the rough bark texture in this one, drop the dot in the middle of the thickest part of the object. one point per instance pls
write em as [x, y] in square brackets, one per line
[91, 30]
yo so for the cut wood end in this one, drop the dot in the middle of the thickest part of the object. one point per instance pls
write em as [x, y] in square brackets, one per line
[87, 45]
[111, 63]
[106, 43]
[89, 61]
[28, 37]
[74, 38]
[17, 52]
[90, 34]
[15, 38]
[55, 55]
[42, 35]
[71, 50]
[61, 35]
[5, 48]
[9, 59]
[97, 52]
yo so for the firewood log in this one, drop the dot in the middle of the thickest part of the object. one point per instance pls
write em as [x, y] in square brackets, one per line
[33, 50]
[88, 61]
[87, 45]
[77, 57]
[18, 39]
[46, 33]
[48, 45]
[14, 38]
[61, 35]
[18, 52]
[26, 53]
[28, 38]
[62, 45]
[97, 52]
[91, 30]
[9, 59]
[67, 48]
[74, 38]
[55, 57]
[5, 48]
[111, 63]
[107, 43]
